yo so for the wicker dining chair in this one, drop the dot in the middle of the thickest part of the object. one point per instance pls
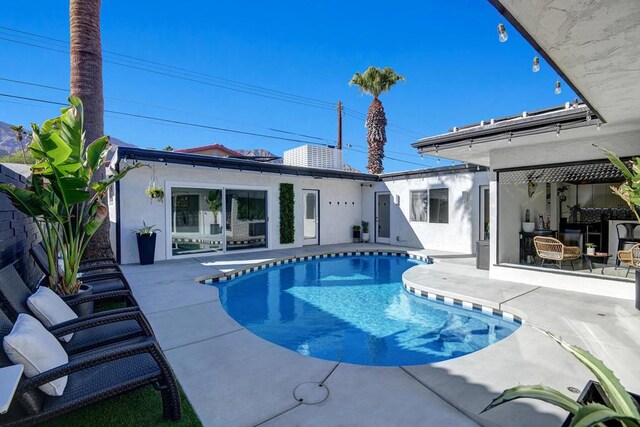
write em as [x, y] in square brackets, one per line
[630, 257]
[550, 249]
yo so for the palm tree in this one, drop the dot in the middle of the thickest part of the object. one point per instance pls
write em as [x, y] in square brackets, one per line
[376, 81]
[86, 84]
[19, 131]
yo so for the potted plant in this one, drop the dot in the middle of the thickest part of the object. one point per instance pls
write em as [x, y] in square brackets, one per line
[355, 233]
[365, 231]
[214, 199]
[155, 193]
[64, 201]
[146, 236]
[591, 248]
[606, 403]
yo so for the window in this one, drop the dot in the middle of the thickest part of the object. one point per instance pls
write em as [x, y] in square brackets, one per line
[246, 219]
[439, 205]
[419, 205]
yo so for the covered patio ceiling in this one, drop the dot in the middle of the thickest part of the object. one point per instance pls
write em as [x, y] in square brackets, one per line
[595, 47]
[594, 44]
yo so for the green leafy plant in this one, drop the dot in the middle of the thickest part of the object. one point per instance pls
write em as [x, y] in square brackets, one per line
[214, 199]
[356, 228]
[155, 193]
[147, 229]
[64, 202]
[591, 245]
[365, 227]
[622, 407]
[287, 214]
[629, 190]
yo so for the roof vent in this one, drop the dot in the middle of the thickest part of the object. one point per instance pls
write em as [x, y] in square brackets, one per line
[567, 105]
[524, 114]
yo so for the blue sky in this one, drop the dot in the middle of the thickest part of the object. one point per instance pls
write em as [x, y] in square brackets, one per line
[457, 72]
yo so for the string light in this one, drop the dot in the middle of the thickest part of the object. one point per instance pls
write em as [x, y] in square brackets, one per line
[535, 67]
[558, 90]
[437, 150]
[558, 130]
[588, 115]
[438, 160]
[470, 145]
[509, 139]
[502, 33]
[598, 127]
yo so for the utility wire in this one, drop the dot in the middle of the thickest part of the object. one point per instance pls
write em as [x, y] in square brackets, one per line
[196, 77]
[159, 119]
[60, 89]
[196, 125]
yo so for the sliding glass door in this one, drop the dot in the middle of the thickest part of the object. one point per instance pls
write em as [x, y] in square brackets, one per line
[246, 219]
[205, 220]
[196, 221]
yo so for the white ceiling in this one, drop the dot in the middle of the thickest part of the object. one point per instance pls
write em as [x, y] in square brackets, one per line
[596, 43]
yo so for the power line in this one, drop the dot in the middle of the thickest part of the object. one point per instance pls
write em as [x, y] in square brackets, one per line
[177, 122]
[196, 125]
[196, 77]
[60, 89]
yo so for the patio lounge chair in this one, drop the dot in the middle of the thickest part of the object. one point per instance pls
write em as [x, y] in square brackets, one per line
[101, 280]
[92, 377]
[630, 257]
[550, 249]
[112, 326]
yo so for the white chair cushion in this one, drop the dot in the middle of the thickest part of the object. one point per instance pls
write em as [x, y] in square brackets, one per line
[31, 345]
[50, 309]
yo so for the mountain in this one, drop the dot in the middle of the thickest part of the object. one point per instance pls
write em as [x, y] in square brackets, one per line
[260, 152]
[8, 142]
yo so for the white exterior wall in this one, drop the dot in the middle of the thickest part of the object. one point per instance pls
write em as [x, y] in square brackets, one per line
[458, 235]
[336, 219]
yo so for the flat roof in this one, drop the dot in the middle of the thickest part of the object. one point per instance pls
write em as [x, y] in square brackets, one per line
[145, 154]
[567, 116]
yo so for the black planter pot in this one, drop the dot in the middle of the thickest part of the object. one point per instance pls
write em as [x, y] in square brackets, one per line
[216, 229]
[85, 308]
[146, 248]
[356, 236]
[593, 392]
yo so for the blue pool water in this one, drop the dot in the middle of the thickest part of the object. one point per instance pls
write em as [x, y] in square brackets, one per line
[355, 310]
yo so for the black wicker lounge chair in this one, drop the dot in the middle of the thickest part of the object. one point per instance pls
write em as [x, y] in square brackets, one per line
[102, 280]
[92, 377]
[132, 324]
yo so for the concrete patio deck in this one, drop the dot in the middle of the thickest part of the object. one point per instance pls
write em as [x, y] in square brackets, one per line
[234, 378]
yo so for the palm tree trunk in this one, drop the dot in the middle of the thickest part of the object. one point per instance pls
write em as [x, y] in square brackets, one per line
[86, 83]
[376, 136]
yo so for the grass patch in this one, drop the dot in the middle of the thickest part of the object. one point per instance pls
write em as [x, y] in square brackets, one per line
[142, 407]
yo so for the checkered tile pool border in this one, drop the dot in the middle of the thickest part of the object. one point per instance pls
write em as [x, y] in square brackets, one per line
[237, 273]
[471, 306]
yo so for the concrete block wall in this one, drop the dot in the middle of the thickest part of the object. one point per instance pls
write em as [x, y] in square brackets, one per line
[18, 233]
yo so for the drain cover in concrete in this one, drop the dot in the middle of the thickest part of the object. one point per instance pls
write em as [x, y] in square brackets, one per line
[311, 393]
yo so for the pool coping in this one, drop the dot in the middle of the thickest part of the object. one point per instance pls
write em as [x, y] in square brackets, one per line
[232, 274]
[467, 302]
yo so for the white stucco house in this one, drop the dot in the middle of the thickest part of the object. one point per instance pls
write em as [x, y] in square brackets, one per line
[215, 205]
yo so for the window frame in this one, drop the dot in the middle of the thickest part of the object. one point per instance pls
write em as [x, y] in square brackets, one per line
[431, 220]
[425, 207]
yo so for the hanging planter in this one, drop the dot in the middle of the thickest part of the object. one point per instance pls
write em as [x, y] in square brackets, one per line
[154, 191]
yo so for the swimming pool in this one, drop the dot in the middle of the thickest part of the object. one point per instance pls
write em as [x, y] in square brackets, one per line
[354, 309]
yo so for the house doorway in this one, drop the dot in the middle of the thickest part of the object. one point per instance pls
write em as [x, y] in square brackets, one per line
[383, 218]
[311, 216]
